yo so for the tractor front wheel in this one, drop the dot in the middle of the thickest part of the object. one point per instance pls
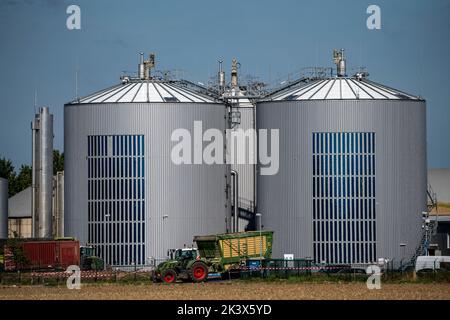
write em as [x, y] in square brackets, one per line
[199, 272]
[169, 276]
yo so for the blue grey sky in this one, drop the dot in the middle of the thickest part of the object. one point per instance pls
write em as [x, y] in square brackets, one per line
[411, 52]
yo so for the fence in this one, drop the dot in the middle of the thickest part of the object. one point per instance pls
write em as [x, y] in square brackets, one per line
[305, 268]
[270, 268]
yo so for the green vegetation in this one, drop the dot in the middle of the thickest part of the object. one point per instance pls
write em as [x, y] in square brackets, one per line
[22, 180]
[18, 256]
[444, 205]
[58, 161]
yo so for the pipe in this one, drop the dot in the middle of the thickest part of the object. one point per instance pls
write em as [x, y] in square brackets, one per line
[59, 204]
[3, 208]
[46, 174]
[255, 165]
[234, 73]
[221, 78]
[235, 176]
[34, 168]
[42, 184]
[141, 71]
[258, 221]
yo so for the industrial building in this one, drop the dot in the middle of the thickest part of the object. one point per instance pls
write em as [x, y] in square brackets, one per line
[123, 193]
[38, 211]
[351, 185]
[352, 182]
[20, 217]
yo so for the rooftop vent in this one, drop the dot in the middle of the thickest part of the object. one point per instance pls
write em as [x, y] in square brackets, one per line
[339, 61]
[145, 66]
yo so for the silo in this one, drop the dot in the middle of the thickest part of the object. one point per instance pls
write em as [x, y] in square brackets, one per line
[42, 174]
[351, 184]
[3, 208]
[123, 193]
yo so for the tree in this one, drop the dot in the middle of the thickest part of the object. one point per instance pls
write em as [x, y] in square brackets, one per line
[18, 255]
[23, 179]
[58, 161]
[7, 172]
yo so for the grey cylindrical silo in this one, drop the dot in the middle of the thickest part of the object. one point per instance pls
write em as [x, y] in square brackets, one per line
[3, 208]
[351, 184]
[42, 196]
[120, 139]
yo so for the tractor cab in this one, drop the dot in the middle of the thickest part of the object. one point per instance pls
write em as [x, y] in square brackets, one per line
[184, 254]
[86, 251]
[88, 259]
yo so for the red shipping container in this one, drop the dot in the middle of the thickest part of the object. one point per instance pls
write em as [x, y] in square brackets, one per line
[45, 255]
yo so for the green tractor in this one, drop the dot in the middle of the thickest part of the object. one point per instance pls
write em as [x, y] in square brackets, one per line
[183, 264]
[88, 259]
[219, 254]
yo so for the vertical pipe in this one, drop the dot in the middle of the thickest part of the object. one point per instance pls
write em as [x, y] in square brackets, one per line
[43, 174]
[59, 204]
[255, 166]
[235, 176]
[234, 73]
[141, 66]
[226, 142]
[221, 78]
[34, 167]
[258, 221]
[3, 208]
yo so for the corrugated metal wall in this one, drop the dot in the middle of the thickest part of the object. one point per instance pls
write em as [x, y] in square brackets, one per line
[191, 196]
[285, 199]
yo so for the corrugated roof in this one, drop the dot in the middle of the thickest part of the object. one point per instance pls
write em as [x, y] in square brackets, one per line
[341, 88]
[146, 91]
[19, 205]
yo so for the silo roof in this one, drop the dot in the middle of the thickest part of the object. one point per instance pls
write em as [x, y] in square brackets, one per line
[340, 88]
[146, 91]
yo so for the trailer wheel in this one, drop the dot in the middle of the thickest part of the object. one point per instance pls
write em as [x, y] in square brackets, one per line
[169, 276]
[199, 272]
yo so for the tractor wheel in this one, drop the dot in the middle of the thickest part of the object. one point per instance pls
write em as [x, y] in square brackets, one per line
[169, 276]
[199, 272]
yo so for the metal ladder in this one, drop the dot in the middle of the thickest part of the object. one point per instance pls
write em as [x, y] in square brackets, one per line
[429, 229]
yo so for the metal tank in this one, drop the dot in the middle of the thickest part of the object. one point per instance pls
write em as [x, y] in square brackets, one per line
[3, 208]
[352, 181]
[42, 173]
[123, 193]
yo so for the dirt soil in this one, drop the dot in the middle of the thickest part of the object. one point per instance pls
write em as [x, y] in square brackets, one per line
[231, 290]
